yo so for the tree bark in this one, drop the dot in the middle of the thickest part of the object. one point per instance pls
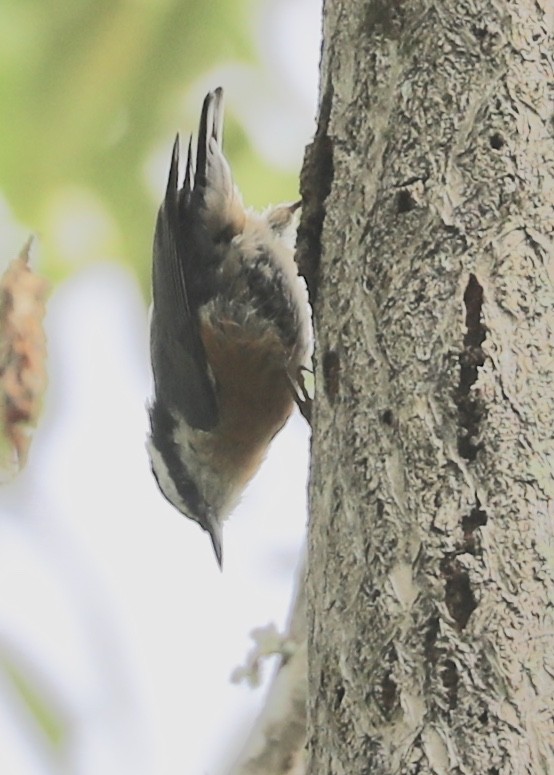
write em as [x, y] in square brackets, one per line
[426, 230]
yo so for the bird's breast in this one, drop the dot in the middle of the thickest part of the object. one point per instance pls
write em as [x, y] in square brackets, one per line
[253, 392]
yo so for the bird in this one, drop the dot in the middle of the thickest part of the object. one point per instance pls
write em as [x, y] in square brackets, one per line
[230, 331]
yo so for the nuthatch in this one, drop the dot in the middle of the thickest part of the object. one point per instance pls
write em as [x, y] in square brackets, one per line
[230, 332]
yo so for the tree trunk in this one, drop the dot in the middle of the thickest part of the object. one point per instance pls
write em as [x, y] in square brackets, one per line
[427, 229]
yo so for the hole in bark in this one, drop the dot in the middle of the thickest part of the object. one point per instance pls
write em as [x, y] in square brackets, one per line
[404, 202]
[472, 358]
[339, 695]
[387, 417]
[384, 17]
[484, 717]
[458, 594]
[497, 141]
[331, 374]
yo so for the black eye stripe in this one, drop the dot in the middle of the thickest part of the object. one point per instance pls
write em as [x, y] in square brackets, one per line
[163, 426]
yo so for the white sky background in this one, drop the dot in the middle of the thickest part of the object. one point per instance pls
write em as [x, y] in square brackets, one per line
[112, 603]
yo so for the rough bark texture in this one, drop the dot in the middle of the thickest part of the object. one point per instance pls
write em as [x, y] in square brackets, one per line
[427, 229]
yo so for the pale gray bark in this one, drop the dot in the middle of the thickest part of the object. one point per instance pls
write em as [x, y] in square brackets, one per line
[276, 745]
[429, 197]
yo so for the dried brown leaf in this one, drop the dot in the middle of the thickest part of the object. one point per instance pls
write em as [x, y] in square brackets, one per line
[22, 357]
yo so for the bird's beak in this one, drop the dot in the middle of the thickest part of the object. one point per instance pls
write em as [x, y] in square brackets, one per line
[214, 528]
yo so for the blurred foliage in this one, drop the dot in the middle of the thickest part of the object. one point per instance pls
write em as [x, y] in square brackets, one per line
[38, 704]
[90, 91]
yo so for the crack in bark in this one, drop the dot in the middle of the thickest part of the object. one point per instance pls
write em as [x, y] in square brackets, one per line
[450, 680]
[438, 664]
[315, 185]
[476, 518]
[331, 374]
[472, 357]
[389, 687]
[430, 641]
[458, 595]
